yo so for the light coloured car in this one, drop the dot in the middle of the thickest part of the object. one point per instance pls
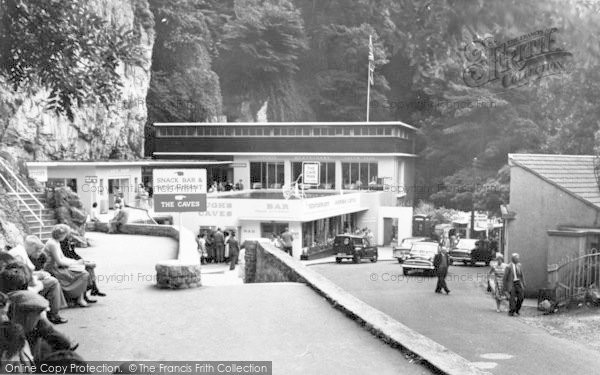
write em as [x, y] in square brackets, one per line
[421, 257]
[402, 250]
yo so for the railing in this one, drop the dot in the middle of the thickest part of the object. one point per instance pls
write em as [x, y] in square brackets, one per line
[575, 277]
[25, 190]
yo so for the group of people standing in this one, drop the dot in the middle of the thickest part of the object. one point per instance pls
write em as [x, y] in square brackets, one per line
[37, 280]
[218, 247]
[505, 280]
[225, 186]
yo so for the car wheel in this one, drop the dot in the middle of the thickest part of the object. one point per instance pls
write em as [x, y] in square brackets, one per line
[472, 263]
[374, 259]
[356, 258]
[487, 263]
[399, 260]
[405, 271]
[338, 260]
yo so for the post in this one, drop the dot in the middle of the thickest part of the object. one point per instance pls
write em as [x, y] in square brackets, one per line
[179, 245]
[368, 92]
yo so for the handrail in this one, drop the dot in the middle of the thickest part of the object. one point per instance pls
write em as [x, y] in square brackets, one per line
[21, 183]
[38, 218]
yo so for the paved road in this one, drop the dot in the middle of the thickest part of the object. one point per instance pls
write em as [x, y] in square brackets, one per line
[464, 321]
[287, 323]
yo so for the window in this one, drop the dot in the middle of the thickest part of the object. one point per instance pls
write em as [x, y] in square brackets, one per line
[276, 131]
[284, 131]
[244, 131]
[191, 131]
[238, 131]
[358, 175]
[379, 131]
[266, 175]
[221, 132]
[326, 177]
[331, 131]
[346, 131]
[388, 131]
[252, 131]
[228, 131]
[317, 132]
[200, 132]
[306, 132]
[339, 130]
[372, 131]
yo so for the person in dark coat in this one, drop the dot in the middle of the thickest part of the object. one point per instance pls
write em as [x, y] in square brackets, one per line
[234, 250]
[68, 248]
[219, 243]
[441, 263]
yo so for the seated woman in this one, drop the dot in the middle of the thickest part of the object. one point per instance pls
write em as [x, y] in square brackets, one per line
[68, 249]
[70, 273]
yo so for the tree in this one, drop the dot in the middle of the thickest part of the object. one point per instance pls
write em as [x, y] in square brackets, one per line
[259, 50]
[66, 48]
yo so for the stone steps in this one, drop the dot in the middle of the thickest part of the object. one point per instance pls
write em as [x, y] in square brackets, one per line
[44, 231]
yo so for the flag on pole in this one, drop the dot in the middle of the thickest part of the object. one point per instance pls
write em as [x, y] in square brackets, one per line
[371, 61]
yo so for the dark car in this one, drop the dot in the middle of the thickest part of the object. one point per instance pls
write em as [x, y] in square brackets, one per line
[353, 247]
[421, 257]
[402, 250]
[471, 251]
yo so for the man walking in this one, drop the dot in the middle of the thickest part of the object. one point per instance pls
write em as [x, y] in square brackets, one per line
[234, 251]
[288, 241]
[219, 243]
[440, 263]
[514, 284]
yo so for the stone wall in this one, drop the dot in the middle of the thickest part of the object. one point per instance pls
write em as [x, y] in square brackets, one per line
[268, 266]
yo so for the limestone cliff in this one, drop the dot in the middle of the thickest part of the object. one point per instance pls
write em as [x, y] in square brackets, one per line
[28, 131]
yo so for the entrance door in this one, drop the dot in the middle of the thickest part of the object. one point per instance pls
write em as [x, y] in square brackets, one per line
[388, 230]
[118, 186]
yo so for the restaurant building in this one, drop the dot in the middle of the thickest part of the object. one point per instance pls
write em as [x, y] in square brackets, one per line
[365, 169]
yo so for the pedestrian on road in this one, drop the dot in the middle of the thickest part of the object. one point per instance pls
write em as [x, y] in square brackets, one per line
[514, 284]
[234, 250]
[219, 241]
[287, 239]
[496, 280]
[440, 263]
[201, 241]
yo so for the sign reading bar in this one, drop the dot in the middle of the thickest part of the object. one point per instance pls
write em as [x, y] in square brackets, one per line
[310, 172]
[179, 190]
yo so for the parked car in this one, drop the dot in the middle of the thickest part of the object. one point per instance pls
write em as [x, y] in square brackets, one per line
[421, 257]
[402, 250]
[347, 246]
[471, 251]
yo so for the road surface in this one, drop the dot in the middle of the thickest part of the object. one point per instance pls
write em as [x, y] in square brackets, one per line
[465, 321]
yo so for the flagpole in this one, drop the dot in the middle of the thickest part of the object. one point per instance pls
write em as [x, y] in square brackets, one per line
[368, 92]
[369, 80]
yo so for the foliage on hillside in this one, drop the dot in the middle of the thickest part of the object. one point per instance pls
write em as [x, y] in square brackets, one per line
[308, 59]
[65, 47]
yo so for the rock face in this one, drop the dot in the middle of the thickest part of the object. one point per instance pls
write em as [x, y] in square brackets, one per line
[28, 131]
[69, 211]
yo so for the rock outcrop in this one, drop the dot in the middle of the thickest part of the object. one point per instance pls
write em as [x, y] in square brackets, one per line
[30, 132]
[69, 210]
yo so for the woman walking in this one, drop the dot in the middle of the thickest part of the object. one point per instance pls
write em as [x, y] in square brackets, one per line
[495, 280]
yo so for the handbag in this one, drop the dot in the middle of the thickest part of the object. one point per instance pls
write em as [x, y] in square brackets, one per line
[77, 267]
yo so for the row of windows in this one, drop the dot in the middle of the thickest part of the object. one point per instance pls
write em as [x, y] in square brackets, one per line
[230, 131]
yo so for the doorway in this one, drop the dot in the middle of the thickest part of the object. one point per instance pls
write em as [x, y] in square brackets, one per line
[388, 230]
[120, 187]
